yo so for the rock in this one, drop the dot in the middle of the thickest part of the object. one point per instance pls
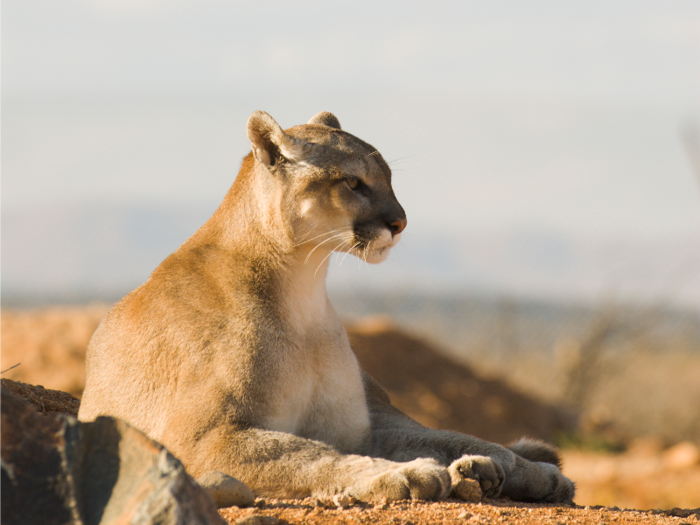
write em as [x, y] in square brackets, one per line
[225, 490]
[258, 520]
[43, 399]
[679, 513]
[56, 470]
[33, 450]
[343, 501]
[467, 490]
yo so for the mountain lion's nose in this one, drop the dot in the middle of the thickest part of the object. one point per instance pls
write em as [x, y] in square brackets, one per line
[397, 226]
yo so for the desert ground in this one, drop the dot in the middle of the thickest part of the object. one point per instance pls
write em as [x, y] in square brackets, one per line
[656, 478]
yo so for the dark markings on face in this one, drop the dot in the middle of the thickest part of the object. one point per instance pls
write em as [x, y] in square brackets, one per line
[349, 174]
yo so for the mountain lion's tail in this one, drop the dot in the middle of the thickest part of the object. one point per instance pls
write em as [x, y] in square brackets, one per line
[536, 450]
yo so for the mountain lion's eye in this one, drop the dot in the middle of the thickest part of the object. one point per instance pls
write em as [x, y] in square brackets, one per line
[353, 183]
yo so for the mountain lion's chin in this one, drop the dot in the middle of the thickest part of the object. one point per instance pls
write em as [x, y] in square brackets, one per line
[378, 255]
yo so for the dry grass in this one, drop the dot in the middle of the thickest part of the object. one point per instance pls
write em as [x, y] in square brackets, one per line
[645, 393]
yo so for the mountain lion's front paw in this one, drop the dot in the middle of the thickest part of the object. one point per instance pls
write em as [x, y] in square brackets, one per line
[418, 479]
[483, 469]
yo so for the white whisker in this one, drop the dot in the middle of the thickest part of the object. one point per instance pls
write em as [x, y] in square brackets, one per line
[327, 256]
[329, 232]
[303, 238]
[336, 236]
[348, 252]
[367, 253]
[400, 159]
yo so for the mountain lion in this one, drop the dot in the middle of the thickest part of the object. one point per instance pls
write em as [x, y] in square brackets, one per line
[232, 356]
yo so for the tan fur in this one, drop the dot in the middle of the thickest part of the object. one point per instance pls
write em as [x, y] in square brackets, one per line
[232, 356]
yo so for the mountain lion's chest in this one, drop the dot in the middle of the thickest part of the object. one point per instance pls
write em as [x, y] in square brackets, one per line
[320, 394]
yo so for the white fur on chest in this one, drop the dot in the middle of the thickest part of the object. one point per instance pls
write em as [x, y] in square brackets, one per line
[323, 399]
[320, 393]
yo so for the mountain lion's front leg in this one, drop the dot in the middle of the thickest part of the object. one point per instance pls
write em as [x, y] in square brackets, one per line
[281, 465]
[498, 470]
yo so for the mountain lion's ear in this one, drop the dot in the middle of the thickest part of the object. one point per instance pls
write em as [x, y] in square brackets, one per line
[325, 119]
[270, 142]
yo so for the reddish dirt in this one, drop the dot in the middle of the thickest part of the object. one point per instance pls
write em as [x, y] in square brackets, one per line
[313, 512]
[440, 393]
[644, 477]
[42, 399]
[49, 344]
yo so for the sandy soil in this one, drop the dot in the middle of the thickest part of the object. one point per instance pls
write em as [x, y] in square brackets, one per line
[644, 477]
[314, 512]
[49, 345]
[440, 393]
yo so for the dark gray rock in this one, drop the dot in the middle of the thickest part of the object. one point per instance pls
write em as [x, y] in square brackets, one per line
[56, 470]
[36, 488]
[256, 519]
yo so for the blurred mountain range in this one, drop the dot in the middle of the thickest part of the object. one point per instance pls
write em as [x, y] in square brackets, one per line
[77, 254]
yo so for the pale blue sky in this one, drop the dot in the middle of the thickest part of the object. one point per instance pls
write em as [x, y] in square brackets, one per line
[610, 51]
[500, 116]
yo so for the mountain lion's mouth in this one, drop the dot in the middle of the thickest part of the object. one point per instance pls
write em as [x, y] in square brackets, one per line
[377, 249]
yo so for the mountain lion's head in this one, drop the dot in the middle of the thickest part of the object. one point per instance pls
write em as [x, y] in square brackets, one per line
[334, 189]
